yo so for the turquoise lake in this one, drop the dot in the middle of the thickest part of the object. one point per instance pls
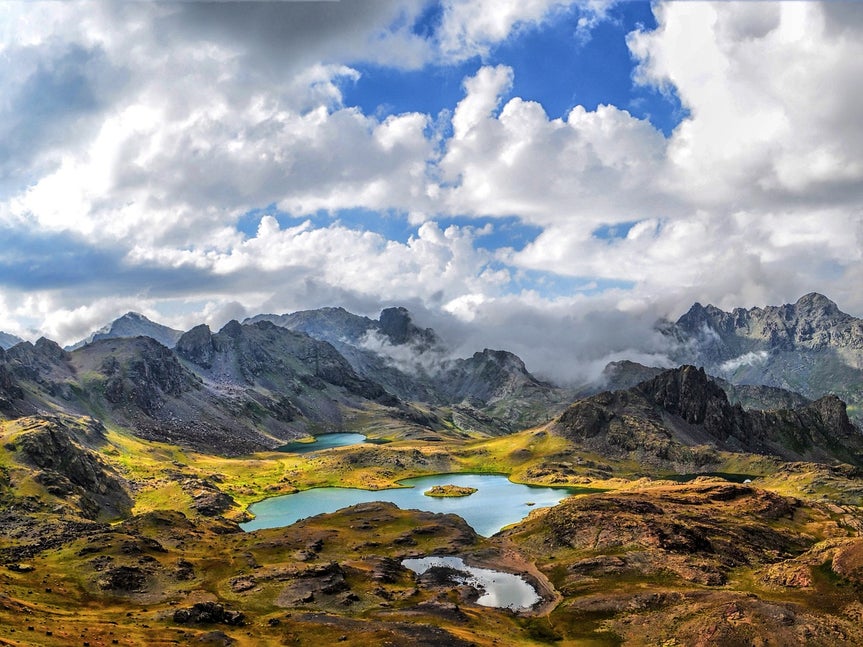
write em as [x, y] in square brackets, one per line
[498, 502]
[324, 441]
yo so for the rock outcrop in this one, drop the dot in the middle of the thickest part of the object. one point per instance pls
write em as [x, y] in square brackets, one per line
[680, 414]
[61, 451]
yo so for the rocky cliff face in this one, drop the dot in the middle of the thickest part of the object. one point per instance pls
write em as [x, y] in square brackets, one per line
[676, 415]
[10, 391]
[809, 347]
[37, 361]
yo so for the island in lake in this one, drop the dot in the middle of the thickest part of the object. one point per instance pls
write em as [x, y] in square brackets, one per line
[449, 490]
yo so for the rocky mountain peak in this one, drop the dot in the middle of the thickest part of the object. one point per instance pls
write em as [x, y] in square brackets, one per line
[503, 359]
[132, 324]
[689, 393]
[814, 305]
[50, 349]
[398, 326]
[196, 346]
[698, 315]
[233, 329]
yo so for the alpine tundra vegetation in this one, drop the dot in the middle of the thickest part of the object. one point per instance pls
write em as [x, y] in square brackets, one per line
[128, 470]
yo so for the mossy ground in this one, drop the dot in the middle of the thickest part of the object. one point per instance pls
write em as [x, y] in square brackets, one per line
[269, 574]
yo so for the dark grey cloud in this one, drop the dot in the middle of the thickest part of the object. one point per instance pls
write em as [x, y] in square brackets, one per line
[37, 260]
[279, 36]
[843, 17]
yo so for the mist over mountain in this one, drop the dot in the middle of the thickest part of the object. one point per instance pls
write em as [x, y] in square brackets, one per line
[810, 347]
[416, 364]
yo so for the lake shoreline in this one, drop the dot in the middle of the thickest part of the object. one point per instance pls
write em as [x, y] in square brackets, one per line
[481, 510]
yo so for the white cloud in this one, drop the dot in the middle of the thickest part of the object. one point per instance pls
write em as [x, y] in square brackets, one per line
[472, 27]
[772, 95]
[592, 168]
[753, 199]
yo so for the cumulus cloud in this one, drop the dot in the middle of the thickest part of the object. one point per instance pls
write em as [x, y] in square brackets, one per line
[129, 183]
[771, 96]
[472, 27]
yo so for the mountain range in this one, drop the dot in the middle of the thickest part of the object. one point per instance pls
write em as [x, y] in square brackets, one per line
[809, 347]
[710, 508]
[257, 385]
[274, 377]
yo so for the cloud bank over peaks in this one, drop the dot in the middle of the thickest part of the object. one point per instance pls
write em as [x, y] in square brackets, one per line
[145, 181]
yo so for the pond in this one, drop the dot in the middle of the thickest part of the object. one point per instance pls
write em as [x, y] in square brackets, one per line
[498, 502]
[500, 590]
[324, 441]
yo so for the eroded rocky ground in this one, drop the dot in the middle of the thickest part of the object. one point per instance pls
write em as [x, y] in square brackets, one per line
[106, 539]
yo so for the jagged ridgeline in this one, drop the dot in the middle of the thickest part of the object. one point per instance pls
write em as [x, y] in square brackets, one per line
[809, 347]
[682, 419]
[259, 384]
[128, 463]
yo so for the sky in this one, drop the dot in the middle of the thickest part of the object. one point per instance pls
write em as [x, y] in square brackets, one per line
[544, 176]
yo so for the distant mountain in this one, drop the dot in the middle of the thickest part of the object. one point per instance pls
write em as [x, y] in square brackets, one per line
[492, 391]
[8, 340]
[681, 418]
[810, 347]
[625, 374]
[242, 389]
[336, 325]
[132, 324]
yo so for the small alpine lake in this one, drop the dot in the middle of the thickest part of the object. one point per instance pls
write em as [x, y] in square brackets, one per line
[323, 441]
[498, 502]
[498, 589]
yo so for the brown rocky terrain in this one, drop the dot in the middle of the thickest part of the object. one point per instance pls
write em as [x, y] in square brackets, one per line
[699, 564]
[681, 417]
[121, 489]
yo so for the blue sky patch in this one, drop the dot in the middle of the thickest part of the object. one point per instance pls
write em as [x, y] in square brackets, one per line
[615, 231]
[554, 64]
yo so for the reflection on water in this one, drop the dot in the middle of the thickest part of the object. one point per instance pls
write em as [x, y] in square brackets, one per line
[500, 590]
